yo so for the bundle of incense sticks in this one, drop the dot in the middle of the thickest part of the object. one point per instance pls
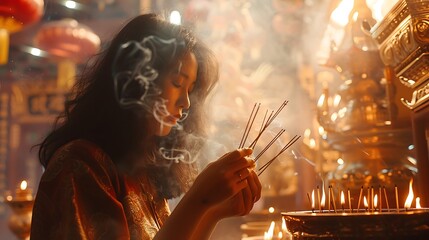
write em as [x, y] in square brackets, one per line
[265, 124]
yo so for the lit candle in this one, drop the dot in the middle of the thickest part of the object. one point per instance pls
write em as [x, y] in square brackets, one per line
[365, 203]
[342, 200]
[23, 192]
[323, 201]
[418, 203]
[375, 201]
[410, 196]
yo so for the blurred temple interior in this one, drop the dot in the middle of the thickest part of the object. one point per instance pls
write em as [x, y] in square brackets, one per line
[354, 72]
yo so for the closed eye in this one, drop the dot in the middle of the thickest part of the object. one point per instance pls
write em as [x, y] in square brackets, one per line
[177, 81]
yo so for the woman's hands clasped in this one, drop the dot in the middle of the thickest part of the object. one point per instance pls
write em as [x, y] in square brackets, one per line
[229, 186]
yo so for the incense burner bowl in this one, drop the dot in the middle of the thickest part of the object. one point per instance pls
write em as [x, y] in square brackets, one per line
[405, 224]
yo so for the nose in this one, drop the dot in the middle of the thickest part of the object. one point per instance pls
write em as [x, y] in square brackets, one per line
[184, 101]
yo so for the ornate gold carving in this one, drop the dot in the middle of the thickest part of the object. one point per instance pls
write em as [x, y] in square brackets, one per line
[418, 7]
[386, 27]
[399, 47]
[420, 96]
[422, 30]
[415, 69]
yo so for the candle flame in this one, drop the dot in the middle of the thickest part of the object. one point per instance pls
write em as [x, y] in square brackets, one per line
[375, 200]
[323, 200]
[269, 235]
[418, 203]
[284, 229]
[365, 202]
[23, 185]
[410, 197]
[343, 200]
[312, 199]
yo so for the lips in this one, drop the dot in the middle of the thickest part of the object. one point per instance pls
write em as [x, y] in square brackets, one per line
[172, 119]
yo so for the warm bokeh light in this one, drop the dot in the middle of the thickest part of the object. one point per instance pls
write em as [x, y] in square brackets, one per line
[23, 185]
[175, 17]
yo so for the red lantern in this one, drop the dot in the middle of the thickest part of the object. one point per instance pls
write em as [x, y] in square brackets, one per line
[70, 42]
[14, 15]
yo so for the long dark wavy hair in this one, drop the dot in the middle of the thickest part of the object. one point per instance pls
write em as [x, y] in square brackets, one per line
[93, 112]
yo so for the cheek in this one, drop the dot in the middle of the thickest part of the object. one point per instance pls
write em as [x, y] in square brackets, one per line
[171, 95]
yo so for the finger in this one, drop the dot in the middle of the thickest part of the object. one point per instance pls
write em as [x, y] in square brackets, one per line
[242, 174]
[240, 164]
[258, 184]
[240, 185]
[237, 154]
[247, 199]
[254, 185]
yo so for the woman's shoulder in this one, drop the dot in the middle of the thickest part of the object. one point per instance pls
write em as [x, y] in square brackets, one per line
[83, 153]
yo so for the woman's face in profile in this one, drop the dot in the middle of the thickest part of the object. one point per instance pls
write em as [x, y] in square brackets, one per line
[168, 110]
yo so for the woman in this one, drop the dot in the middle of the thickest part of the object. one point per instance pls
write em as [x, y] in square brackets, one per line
[128, 141]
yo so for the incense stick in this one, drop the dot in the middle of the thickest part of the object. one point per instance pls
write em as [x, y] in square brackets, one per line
[247, 126]
[266, 165]
[381, 199]
[372, 199]
[269, 121]
[397, 200]
[387, 200]
[253, 144]
[269, 144]
[333, 200]
[329, 198]
[251, 124]
[309, 200]
[318, 198]
[350, 200]
[360, 197]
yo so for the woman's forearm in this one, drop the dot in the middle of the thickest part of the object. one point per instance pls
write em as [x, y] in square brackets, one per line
[184, 220]
[207, 225]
